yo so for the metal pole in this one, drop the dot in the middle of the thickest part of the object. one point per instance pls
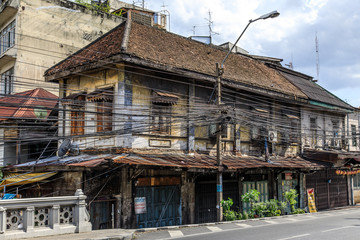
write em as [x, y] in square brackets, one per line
[219, 186]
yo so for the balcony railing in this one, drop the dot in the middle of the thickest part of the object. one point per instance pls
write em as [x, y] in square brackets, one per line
[34, 217]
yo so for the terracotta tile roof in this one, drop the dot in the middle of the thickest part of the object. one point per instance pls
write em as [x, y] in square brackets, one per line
[23, 105]
[168, 49]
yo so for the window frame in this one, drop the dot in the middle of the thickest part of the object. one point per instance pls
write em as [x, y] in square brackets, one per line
[7, 82]
[353, 135]
[104, 116]
[356, 181]
[77, 116]
[161, 118]
[313, 131]
[7, 37]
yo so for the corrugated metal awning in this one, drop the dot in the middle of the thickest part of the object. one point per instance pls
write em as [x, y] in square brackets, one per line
[202, 161]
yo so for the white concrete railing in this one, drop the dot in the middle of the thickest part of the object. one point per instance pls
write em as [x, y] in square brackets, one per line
[35, 217]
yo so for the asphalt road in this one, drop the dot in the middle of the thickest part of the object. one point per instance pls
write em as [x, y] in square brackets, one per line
[336, 224]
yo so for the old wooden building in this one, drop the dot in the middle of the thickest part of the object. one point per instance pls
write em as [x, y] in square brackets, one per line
[139, 104]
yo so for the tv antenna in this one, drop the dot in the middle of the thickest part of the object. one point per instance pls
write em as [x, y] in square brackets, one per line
[290, 64]
[317, 57]
[210, 23]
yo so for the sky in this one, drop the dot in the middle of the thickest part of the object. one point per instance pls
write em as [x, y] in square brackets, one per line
[291, 36]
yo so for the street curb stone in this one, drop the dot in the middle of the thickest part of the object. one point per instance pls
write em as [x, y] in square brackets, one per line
[144, 230]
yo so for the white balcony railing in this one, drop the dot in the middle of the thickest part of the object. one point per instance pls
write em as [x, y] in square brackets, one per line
[34, 217]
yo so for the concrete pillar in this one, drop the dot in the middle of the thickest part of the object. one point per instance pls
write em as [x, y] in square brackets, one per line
[240, 182]
[279, 184]
[187, 199]
[2, 220]
[54, 220]
[127, 200]
[80, 216]
[117, 211]
[29, 219]
[302, 193]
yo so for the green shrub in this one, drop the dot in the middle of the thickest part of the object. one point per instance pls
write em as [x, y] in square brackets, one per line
[251, 197]
[290, 197]
[260, 209]
[229, 215]
[245, 215]
[226, 204]
[239, 215]
[298, 211]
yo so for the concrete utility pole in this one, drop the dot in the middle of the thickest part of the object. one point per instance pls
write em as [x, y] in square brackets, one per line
[219, 73]
[219, 182]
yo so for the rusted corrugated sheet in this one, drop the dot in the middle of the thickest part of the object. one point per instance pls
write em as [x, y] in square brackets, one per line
[209, 162]
[90, 163]
[177, 160]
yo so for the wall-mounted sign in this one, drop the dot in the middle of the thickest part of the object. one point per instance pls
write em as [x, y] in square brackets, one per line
[140, 205]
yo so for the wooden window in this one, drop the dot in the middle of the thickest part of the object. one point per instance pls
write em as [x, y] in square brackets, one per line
[313, 130]
[353, 135]
[78, 116]
[103, 116]
[161, 118]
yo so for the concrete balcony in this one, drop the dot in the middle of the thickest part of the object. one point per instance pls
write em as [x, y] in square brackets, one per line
[8, 9]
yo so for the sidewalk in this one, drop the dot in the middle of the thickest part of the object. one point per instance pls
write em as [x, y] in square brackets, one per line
[127, 234]
[105, 234]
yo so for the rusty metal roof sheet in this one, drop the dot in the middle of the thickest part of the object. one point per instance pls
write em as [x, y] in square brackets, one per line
[176, 160]
[89, 163]
[209, 162]
[81, 160]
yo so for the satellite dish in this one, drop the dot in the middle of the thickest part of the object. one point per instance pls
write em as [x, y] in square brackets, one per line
[74, 149]
[64, 147]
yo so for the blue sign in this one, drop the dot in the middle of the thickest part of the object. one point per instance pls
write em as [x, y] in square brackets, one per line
[219, 188]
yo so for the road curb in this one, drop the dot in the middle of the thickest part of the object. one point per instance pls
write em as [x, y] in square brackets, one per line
[145, 230]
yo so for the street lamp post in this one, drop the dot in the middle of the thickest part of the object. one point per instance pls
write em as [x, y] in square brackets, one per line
[219, 73]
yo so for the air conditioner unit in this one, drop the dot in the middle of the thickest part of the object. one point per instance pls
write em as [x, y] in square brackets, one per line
[272, 136]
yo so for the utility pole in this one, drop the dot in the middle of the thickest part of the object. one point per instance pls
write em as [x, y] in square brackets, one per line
[219, 180]
[219, 73]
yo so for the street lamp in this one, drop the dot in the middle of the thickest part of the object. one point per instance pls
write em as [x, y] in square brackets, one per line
[219, 73]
